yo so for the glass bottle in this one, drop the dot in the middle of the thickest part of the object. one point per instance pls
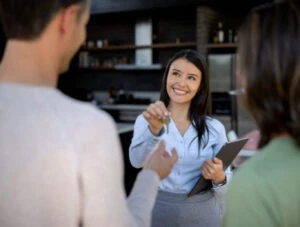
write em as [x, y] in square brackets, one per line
[220, 32]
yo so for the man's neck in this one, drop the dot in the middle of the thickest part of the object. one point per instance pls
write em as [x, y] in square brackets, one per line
[28, 63]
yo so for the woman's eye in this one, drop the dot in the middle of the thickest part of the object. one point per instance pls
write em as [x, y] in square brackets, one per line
[192, 78]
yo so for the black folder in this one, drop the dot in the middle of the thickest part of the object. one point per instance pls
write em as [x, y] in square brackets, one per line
[227, 154]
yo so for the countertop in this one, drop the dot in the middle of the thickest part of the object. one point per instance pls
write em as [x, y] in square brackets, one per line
[124, 107]
[124, 127]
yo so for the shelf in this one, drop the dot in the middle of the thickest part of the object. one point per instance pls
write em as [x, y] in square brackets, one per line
[124, 107]
[117, 47]
[138, 67]
[133, 47]
[173, 45]
[160, 46]
[98, 68]
[216, 46]
[121, 67]
[221, 45]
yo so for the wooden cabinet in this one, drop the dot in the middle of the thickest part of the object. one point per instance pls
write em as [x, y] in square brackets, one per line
[117, 49]
[171, 31]
[122, 55]
[108, 58]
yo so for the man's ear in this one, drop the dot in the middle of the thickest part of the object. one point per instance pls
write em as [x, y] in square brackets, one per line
[69, 17]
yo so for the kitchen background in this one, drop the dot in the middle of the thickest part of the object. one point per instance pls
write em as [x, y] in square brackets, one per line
[120, 66]
[128, 46]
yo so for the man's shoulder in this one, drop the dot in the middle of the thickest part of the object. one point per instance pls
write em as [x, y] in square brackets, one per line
[83, 111]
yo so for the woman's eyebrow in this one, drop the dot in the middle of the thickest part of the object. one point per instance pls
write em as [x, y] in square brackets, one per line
[174, 69]
[190, 74]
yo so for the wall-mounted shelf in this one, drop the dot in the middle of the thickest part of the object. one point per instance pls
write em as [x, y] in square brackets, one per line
[173, 45]
[216, 46]
[97, 68]
[160, 46]
[221, 45]
[138, 67]
[133, 47]
[121, 67]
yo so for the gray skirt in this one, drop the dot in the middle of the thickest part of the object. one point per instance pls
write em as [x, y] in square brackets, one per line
[178, 210]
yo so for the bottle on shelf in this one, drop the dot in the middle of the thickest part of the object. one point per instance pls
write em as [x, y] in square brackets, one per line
[215, 37]
[220, 32]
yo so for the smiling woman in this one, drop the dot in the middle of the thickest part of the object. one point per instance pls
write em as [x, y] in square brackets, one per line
[183, 81]
[197, 138]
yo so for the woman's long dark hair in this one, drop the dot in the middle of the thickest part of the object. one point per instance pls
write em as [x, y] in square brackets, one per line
[199, 107]
[269, 65]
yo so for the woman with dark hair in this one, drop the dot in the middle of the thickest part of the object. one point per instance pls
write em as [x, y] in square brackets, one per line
[181, 119]
[265, 191]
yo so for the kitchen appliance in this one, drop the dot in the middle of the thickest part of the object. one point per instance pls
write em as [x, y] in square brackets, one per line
[226, 96]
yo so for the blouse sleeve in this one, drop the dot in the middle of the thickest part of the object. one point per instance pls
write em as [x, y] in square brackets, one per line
[142, 143]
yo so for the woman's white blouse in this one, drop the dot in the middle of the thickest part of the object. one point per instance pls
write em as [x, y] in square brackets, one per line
[187, 170]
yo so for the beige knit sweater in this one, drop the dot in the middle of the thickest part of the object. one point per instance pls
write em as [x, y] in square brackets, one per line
[61, 164]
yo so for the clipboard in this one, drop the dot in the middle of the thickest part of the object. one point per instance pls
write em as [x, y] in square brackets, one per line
[227, 154]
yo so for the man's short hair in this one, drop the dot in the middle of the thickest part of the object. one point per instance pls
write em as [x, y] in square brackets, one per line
[27, 19]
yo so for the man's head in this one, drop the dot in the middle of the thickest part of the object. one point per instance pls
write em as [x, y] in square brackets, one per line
[269, 68]
[26, 19]
[59, 24]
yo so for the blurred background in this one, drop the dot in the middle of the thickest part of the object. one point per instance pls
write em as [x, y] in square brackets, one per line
[120, 66]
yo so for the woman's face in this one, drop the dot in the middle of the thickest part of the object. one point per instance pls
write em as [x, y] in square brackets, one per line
[183, 81]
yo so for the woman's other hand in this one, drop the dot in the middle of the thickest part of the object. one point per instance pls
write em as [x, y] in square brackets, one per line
[213, 170]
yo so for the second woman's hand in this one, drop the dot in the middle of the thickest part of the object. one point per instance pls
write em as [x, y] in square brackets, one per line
[160, 161]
